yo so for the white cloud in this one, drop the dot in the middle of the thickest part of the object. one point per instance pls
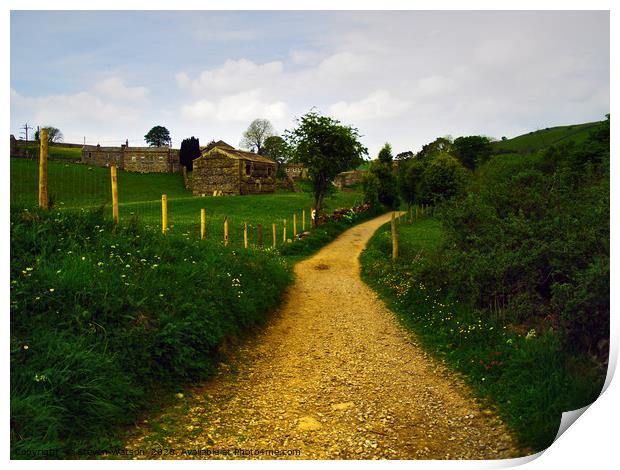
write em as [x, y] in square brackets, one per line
[116, 89]
[233, 75]
[435, 85]
[243, 106]
[378, 105]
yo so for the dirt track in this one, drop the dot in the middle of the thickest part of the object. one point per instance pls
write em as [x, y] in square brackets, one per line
[336, 377]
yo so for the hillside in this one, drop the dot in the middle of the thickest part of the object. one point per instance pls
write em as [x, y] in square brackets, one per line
[542, 138]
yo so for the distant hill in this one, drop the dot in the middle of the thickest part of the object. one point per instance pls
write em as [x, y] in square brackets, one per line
[542, 138]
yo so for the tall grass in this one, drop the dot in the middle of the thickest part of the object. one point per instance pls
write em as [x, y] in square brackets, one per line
[102, 315]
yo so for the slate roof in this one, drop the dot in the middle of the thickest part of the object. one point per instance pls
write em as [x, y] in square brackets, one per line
[231, 152]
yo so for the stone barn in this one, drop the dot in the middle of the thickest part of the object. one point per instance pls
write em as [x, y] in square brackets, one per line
[223, 168]
[136, 159]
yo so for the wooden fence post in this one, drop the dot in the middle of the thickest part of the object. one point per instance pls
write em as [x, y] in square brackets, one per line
[203, 218]
[164, 213]
[114, 180]
[394, 238]
[226, 231]
[284, 232]
[259, 229]
[274, 235]
[43, 198]
[245, 235]
[294, 226]
[303, 220]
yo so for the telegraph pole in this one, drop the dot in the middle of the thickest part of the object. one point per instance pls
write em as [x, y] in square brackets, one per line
[25, 127]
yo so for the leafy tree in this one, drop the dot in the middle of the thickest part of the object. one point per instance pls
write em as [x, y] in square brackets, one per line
[158, 136]
[472, 151]
[276, 148]
[190, 151]
[53, 134]
[385, 155]
[382, 179]
[404, 155]
[409, 179]
[439, 145]
[443, 178]
[256, 134]
[326, 148]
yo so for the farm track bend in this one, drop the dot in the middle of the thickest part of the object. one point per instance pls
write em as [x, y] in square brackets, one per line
[335, 376]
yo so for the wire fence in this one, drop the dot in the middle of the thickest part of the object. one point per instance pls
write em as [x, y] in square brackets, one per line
[74, 185]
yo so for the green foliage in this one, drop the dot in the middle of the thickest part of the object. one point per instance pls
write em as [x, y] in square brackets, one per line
[528, 374]
[102, 315]
[385, 155]
[158, 136]
[189, 151]
[410, 174]
[441, 145]
[443, 178]
[326, 148]
[472, 151]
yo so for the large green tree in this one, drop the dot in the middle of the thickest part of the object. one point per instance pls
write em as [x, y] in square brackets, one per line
[326, 148]
[276, 148]
[381, 179]
[158, 136]
[473, 150]
[444, 177]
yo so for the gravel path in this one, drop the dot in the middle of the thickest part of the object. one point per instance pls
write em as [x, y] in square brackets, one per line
[334, 376]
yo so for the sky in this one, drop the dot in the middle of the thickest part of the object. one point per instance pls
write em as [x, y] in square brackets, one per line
[403, 77]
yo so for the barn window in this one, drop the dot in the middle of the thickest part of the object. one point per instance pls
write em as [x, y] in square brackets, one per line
[89, 155]
[268, 171]
[248, 168]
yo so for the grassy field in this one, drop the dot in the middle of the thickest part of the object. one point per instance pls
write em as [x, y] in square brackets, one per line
[525, 377]
[79, 186]
[64, 153]
[542, 138]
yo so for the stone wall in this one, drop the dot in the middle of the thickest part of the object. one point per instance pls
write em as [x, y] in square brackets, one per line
[215, 173]
[257, 177]
[96, 155]
[136, 159]
[349, 178]
[151, 160]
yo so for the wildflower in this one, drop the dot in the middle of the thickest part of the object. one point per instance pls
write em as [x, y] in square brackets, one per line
[59, 271]
[25, 346]
[127, 266]
[179, 395]
[531, 334]
[83, 258]
[40, 378]
[52, 289]
[29, 269]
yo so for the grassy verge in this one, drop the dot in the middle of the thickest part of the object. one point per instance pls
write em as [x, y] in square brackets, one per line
[101, 316]
[526, 375]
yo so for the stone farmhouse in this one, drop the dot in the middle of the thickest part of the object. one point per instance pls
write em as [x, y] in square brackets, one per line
[225, 169]
[136, 159]
[296, 171]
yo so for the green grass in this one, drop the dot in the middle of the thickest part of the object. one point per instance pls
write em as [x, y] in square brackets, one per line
[79, 186]
[542, 138]
[103, 317]
[529, 380]
[54, 152]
